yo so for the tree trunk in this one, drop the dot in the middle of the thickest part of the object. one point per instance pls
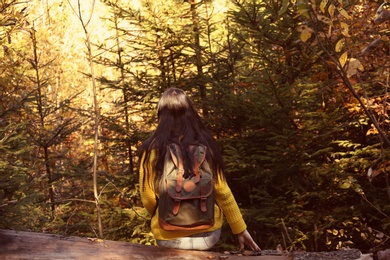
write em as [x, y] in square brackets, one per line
[96, 114]
[40, 107]
[125, 91]
[198, 54]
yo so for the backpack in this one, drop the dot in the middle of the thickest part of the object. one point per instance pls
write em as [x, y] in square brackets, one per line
[186, 203]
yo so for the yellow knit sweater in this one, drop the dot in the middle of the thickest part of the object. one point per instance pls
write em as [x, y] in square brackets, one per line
[223, 195]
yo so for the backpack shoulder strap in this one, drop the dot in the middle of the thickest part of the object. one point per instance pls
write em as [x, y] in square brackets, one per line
[199, 154]
[177, 159]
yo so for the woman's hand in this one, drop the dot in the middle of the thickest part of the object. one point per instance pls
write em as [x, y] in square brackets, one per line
[244, 238]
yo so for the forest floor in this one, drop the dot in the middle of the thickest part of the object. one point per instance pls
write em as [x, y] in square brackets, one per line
[30, 245]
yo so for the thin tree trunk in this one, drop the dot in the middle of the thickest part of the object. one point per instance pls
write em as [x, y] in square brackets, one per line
[96, 134]
[161, 58]
[42, 122]
[96, 113]
[125, 89]
[198, 53]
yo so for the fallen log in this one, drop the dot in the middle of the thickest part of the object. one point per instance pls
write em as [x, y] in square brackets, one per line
[31, 245]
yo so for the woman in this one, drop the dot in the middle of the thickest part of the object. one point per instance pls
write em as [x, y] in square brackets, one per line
[179, 122]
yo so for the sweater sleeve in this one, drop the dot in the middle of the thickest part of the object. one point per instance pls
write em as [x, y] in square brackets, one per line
[146, 183]
[228, 204]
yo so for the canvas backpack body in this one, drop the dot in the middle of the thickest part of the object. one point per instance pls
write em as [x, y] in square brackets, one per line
[186, 203]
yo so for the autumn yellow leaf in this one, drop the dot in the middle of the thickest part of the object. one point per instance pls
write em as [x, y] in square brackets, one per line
[283, 9]
[339, 45]
[343, 59]
[302, 9]
[344, 13]
[372, 131]
[354, 65]
[345, 185]
[305, 34]
[331, 10]
[345, 29]
[323, 5]
[95, 239]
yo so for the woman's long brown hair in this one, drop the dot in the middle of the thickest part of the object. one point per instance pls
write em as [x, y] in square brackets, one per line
[179, 122]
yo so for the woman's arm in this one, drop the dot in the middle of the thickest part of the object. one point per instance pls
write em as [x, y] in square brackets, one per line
[230, 209]
[146, 182]
[228, 204]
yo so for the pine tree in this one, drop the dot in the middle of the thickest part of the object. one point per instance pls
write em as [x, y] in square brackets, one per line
[17, 194]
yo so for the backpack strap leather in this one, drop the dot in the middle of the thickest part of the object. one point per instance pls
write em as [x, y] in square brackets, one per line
[199, 153]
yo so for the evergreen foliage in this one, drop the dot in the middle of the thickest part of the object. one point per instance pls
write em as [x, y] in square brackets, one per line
[296, 93]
